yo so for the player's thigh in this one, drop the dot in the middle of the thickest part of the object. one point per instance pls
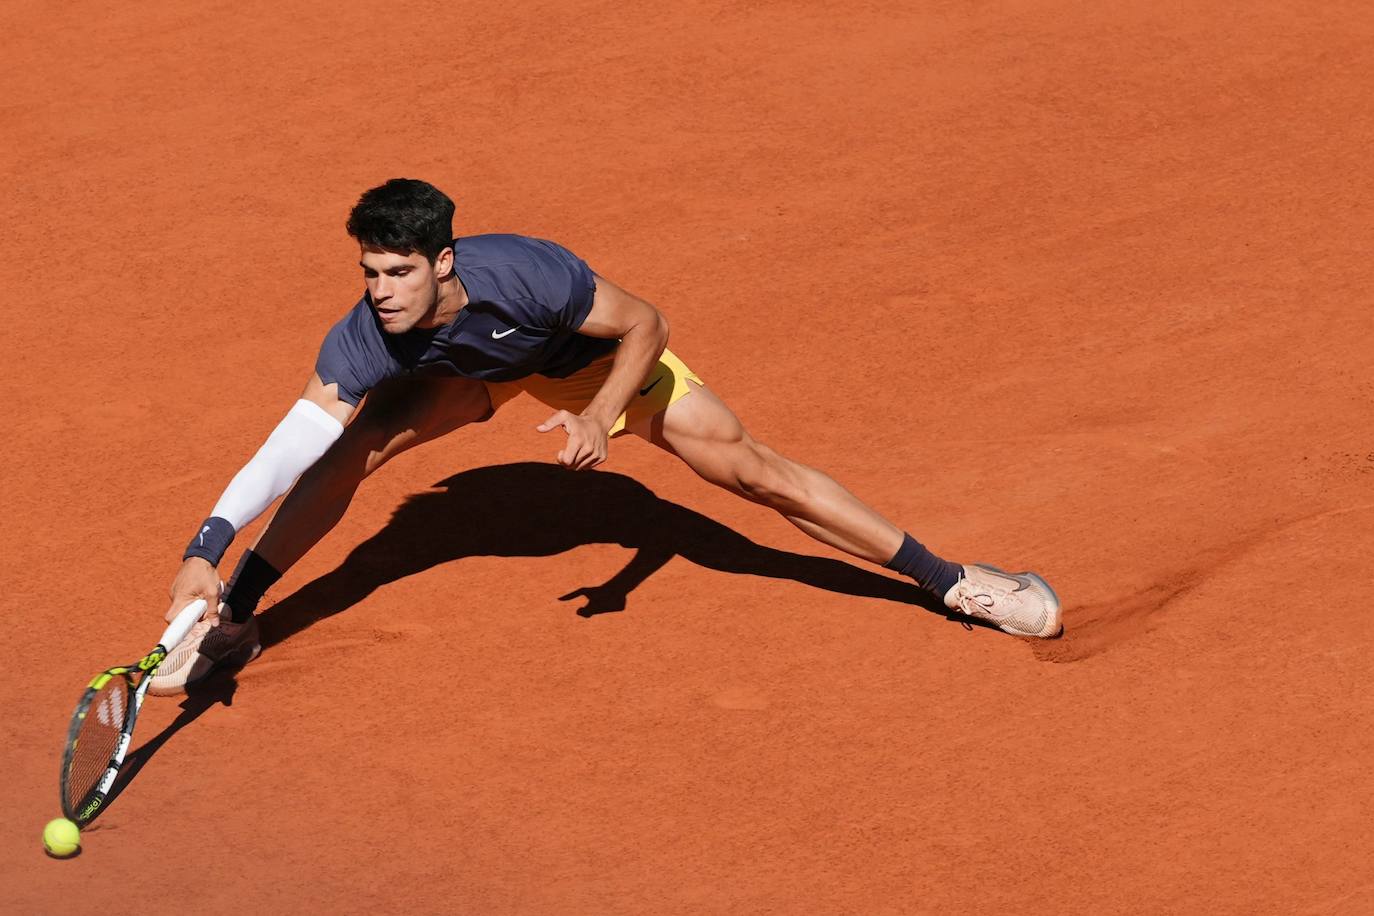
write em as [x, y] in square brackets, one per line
[705, 433]
[404, 412]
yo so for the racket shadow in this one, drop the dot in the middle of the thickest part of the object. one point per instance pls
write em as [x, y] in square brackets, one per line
[216, 690]
[535, 510]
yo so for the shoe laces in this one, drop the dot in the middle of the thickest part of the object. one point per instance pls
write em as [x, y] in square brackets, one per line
[970, 604]
[977, 601]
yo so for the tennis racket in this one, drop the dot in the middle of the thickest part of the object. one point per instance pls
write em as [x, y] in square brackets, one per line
[103, 723]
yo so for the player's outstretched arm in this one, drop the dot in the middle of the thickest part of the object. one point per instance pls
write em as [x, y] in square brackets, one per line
[304, 434]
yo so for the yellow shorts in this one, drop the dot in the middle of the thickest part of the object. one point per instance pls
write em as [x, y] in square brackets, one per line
[665, 384]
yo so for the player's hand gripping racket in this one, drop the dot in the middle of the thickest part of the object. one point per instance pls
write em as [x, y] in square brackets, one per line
[103, 723]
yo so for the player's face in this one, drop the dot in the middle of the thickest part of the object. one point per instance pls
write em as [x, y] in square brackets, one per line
[404, 288]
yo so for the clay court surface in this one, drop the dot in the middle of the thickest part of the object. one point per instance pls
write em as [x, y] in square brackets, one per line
[1076, 287]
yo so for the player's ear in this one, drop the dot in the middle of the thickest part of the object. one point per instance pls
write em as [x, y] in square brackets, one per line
[443, 264]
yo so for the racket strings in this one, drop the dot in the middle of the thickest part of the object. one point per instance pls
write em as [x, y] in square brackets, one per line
[96, 739]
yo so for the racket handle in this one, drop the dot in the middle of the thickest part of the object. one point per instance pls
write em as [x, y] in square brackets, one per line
[181, 624]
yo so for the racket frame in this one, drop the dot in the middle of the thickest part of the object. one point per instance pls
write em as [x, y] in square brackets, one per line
[82, 811]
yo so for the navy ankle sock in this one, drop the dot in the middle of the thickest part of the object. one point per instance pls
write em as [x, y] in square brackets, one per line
[251, 579]
[933, 574]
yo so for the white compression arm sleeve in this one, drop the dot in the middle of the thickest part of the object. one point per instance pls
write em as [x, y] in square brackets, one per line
[303, 435]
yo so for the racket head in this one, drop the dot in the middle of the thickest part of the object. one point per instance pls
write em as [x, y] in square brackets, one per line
[96, 741]
[103, 723]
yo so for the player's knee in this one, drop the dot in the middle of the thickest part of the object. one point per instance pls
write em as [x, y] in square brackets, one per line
[364, 447]
[337, 474]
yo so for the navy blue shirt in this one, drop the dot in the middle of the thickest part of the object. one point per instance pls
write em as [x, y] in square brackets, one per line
[526, 300]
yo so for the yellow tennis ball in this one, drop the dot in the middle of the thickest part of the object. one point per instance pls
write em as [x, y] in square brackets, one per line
[61, 838]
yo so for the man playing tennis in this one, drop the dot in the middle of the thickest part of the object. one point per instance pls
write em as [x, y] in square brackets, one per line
[448, 331]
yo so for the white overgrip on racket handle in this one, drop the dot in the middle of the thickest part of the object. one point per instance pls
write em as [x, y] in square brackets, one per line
[181, 624]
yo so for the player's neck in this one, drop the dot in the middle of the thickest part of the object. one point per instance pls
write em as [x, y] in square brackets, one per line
[452, 297]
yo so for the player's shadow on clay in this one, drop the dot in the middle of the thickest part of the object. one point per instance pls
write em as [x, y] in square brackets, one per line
[538, 510]
[530, 510]
[217, 689]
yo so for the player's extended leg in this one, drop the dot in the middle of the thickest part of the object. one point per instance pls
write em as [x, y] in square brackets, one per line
[701, 430]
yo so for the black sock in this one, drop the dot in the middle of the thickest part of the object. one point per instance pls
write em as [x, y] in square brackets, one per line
[251, 579]
[933, 574]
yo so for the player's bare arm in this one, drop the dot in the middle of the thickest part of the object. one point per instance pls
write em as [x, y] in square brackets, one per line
[643, 334]
[296, 443]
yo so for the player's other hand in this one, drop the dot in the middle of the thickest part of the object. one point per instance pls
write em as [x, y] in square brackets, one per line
[587, 443]
[196, 579]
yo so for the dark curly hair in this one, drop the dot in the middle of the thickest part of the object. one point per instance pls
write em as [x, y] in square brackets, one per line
[405, 215]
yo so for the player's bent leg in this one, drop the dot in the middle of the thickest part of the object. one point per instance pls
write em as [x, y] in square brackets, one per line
[396, 416]
[702, 431]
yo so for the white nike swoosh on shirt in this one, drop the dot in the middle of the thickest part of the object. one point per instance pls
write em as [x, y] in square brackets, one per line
[497, 335]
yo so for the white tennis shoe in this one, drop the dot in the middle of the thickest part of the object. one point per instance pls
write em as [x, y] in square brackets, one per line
[1022, 604]
[212, 644]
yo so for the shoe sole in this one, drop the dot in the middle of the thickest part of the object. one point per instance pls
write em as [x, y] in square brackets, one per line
[235, 660]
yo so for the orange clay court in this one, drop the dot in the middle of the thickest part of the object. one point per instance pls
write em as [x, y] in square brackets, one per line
[1076, 287]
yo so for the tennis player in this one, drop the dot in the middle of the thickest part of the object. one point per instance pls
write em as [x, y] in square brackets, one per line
[448, 331]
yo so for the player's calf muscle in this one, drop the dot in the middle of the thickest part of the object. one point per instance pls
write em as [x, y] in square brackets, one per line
[820, 506]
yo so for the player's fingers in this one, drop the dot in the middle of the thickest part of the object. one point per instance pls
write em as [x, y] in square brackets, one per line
[596, 454]
[178, 605]
[588, 460]
[180, 600]
[577, 445]
[586, 454]
[568, 453]
[553, 422]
